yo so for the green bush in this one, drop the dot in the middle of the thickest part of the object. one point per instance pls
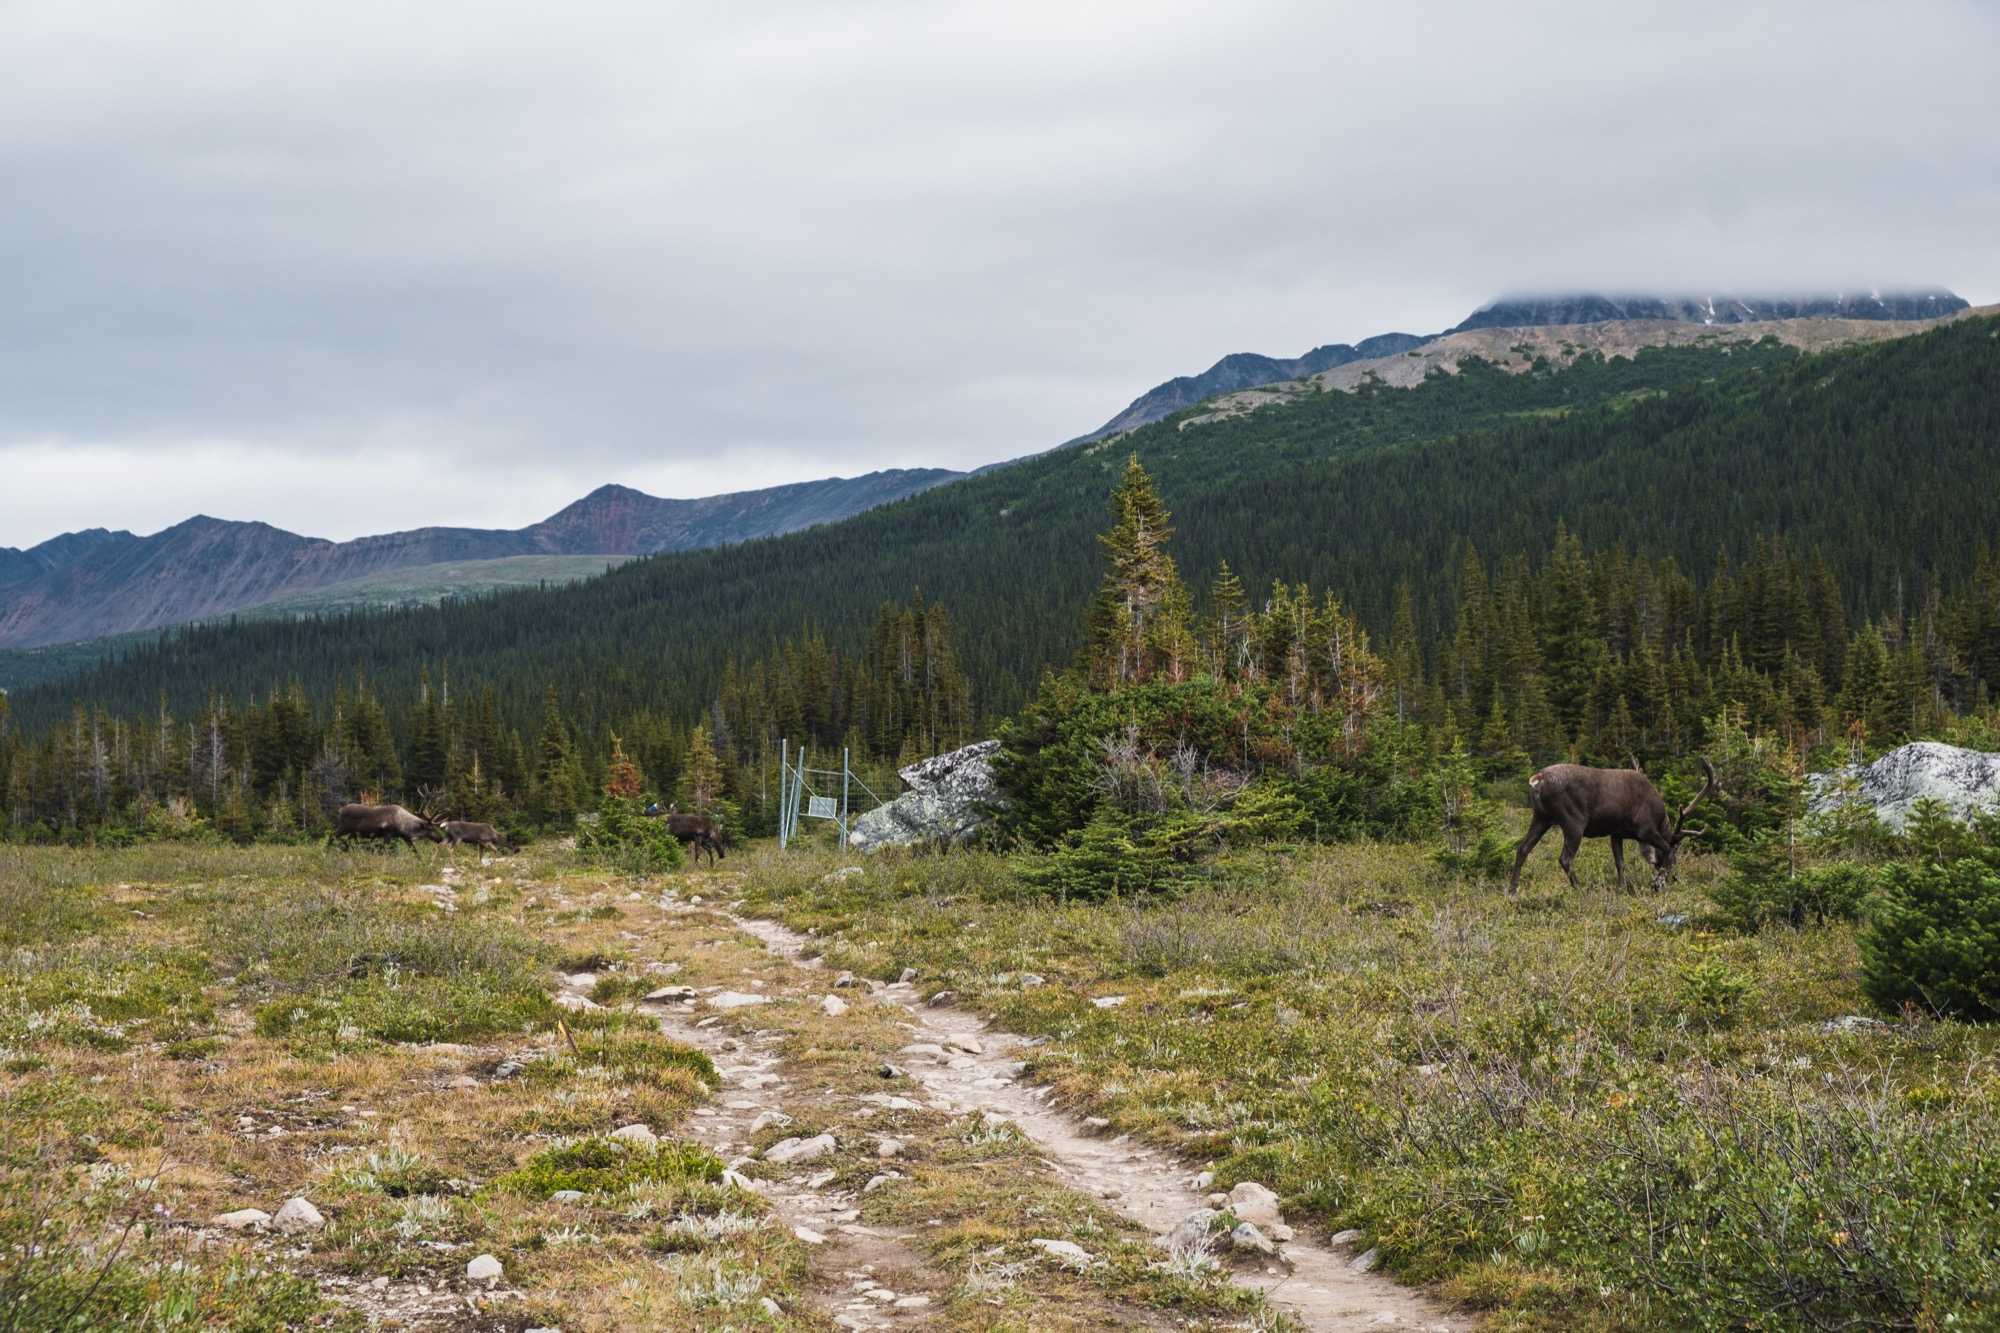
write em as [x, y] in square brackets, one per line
[1934, 937]
[1116, 856]
[1756, 896]
[605, 1166]
[1712, 994]
[622, 838]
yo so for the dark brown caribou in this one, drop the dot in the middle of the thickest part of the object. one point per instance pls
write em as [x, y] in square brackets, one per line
[1614, 803]
[385, 822]
[703, 832]
[458, 832]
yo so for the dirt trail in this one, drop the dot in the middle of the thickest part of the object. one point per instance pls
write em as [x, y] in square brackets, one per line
[848, 1258]
[976, 1069]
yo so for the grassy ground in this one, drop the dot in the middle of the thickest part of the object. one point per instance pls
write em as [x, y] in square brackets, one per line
[187, 1032]
[1573, 1109]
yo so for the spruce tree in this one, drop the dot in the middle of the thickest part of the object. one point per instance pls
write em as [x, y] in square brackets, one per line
[1141, 586]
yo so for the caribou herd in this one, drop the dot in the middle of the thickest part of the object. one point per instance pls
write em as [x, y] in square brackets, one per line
[1621, 804]
[390, 823]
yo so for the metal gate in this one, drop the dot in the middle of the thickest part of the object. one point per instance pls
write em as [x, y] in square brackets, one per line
[818, 793]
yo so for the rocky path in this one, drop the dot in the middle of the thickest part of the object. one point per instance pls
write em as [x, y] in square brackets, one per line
[969, 1067]
[869, 1278]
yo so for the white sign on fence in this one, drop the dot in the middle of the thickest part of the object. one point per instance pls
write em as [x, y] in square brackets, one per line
[822, 807]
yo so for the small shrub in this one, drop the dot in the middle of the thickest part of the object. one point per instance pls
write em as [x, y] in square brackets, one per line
[1754, 897]
[622, 838]
[1712, 994]
[1934, 939]
[606, 1166]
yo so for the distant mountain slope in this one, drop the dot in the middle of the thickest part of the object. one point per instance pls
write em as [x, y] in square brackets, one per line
[1244, 370]
[1518, 349]
[1677, 451]
[85, 585]
[1594, 307]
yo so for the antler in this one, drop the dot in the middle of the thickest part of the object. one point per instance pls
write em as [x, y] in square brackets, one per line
[1706, 787]
[430, 803]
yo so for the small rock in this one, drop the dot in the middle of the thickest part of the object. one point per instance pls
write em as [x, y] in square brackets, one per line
[243, 1219]
[844, 873]
[964, 1042]
[887, 1070]
[507, 1069]
[809, 1236]
[1201, 1182]
[1190, 1230]
[1029, 980]
[1366, 1261]
[912, 1302]
[909, 975]
[770, 1307]
[799, 1150]
[1283, 1234]
[929, 1048]
[768, 1119]
[298, 1214]
[485, 1270]
[735, 999]
[877, 1182]
[943, 998]
[1065, 1252]
[1853, 1023]
[665, 994]
[583, 980]
[737, 1180]
[639, 1136]
[844, 981]
[1247, 1239]
[1672, 920]
[463, 1082]
[889, 1148]
[833, 1006]
[1251, 1202]
[1216, 1200]
[382, 1284]
[880, 1295]
[566, 1196]
[820, 1180]
[1096, 1122]
[901, 1104]
[576, 1004]
[1110, 1001]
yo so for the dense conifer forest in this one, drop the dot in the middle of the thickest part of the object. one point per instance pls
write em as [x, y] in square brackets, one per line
[1594, 560]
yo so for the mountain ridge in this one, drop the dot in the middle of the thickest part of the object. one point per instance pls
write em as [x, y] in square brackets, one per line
[96, 582]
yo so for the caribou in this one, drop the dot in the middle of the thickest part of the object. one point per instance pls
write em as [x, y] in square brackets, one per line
[458, 832]
[703, 832]
[1614, 803]
[385, 822]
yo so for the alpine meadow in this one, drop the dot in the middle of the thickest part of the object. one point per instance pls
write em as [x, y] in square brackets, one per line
[1488, 830]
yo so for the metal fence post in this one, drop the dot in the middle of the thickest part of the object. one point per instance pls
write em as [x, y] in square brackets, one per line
[843, 798]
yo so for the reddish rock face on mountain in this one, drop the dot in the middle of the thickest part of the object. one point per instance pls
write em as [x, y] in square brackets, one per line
[84, 585]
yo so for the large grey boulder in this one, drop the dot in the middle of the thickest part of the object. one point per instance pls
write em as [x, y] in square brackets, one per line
[951, 796]
[1963, 781]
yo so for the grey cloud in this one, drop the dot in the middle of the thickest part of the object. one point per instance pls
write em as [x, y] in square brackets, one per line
[699, 247]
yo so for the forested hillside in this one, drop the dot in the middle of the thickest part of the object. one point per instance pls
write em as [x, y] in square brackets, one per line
[1690, 527]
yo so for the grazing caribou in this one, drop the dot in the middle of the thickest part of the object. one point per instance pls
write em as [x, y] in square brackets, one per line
[1614, 803]
[385, 822]
[458, 832]
[703, 832]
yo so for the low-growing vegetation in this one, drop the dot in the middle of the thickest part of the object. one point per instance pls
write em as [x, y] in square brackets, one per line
[1571, 1109]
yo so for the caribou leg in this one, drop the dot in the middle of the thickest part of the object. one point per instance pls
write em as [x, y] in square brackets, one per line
[1536, 829]
[1572, 839]
[1618, 858]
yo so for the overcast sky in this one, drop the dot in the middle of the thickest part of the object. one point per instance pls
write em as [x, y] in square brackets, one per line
[355, 267]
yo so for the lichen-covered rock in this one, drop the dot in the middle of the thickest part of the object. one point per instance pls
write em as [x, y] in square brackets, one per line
[951, 797]
[1963, 781]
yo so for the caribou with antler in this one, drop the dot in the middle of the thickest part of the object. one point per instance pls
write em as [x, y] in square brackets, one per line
[388, 822]
[1614, 803]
